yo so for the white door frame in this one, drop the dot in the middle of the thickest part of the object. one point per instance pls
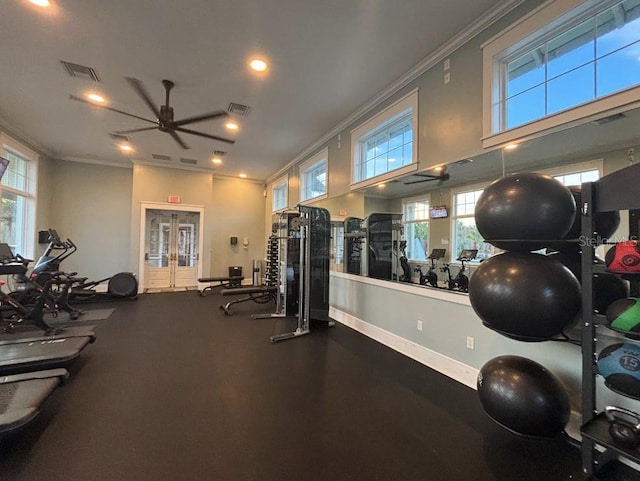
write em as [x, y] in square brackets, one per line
[144, 206]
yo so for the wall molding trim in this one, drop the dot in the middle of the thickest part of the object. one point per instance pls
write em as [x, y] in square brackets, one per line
[456, 370]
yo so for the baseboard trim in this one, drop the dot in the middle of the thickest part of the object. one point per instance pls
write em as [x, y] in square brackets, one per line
[456, 370]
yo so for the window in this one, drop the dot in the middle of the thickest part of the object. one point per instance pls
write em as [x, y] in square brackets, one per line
[576, 63]
[416, 228]
[385, 146]
[313, 177]
[17, 197]
[465, 233]
[279, 192]
[337, 246]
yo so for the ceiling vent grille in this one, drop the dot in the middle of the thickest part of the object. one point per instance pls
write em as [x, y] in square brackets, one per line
[239, 109]
[610, 118]
[161, 157]
[119, 137]
[80, 71]
[219, 153]
[188, 161]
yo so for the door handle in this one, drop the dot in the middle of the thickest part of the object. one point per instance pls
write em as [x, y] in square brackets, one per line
[146, 256]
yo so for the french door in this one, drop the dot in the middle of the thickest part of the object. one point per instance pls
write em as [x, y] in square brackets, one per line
[171, 247]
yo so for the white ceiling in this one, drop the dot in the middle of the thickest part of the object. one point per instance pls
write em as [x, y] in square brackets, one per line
[327, 59]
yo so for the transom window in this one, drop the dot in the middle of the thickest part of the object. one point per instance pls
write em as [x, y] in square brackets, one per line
[385, 147]
[279, 194]
[581, 62]
[313, 177]
[416, 228]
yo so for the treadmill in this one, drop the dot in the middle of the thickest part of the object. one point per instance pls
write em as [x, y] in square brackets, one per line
[21, 396]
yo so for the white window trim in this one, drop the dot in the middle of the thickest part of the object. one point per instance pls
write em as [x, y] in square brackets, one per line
[305, 166]
[424, 197]
[542, 20]
[596, 164]
[387, 115]
[284, 180]
[9, 143]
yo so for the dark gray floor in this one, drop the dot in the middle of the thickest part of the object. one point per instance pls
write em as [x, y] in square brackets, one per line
[174, 390]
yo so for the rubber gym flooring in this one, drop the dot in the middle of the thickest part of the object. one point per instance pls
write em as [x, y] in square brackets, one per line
[174, 390]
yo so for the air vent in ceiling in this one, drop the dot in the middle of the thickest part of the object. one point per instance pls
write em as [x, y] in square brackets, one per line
[80, 71]
[119, 137]
[161, 157]
[611, 118]
[219, 153]
[239, 109]
[188, 161]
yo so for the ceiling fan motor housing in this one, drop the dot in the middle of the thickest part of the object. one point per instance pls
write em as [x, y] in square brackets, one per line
[166, 117]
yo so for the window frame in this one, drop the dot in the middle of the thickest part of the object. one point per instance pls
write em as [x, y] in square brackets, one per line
[29, 194]
[379, 122]
[282, 182]
[410, 200]
[545, 22]
[309, 165]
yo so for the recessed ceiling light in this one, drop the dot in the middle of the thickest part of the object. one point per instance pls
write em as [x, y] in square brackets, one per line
[258, 65]
[96, 98]
[231, 125]
[41, 3]
[216, 160]
[243, 176]
[126, 148]
[511, 147]
[382, 185]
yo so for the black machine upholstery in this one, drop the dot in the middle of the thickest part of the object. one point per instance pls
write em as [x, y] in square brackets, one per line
[227, 282]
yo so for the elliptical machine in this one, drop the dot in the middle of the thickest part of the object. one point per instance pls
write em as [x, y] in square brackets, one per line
[460, 281]
[431, 277]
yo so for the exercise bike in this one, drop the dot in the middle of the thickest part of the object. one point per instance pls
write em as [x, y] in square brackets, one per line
[460, 281]
[431, 277]
[404, 263]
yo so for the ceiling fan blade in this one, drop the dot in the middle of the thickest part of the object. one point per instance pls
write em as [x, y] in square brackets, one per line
[142, 92]
[202, 134]
[177, 138]
[124, 132]
[104, 107]
[200, 118]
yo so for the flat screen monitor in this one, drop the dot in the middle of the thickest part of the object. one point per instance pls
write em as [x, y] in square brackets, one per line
[3, 166]
[437, 253]
[468, 254]
[438, 212]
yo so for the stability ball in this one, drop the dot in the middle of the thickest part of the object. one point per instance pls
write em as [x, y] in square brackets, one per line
[619, 364]
[525, 296]
[607, 287]
[528, 207]
[523, 397]
[605, 224]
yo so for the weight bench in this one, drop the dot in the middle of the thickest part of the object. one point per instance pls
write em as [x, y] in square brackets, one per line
[257, 294]
[233, 281]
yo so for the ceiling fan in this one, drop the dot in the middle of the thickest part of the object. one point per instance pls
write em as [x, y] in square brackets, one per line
[164, 116]
[442, 176]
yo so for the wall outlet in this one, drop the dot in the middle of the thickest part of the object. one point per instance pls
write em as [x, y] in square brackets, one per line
[470, 342]
[419, 325]
[447, 65]
[447, 78]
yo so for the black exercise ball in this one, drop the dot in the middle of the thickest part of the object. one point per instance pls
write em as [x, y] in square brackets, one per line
[524, 296]
[527, 206]
[605, 224]
[607, 288]
[523, 397]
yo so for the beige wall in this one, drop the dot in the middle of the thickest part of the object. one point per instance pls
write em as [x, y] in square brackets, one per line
[231, 208]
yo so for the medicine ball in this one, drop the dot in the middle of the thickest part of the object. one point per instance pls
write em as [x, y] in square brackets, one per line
[619, 364]
[524, 296]
[607, 287]
[523, 397]
[623, 316]
[528, 206]
[624, 257]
